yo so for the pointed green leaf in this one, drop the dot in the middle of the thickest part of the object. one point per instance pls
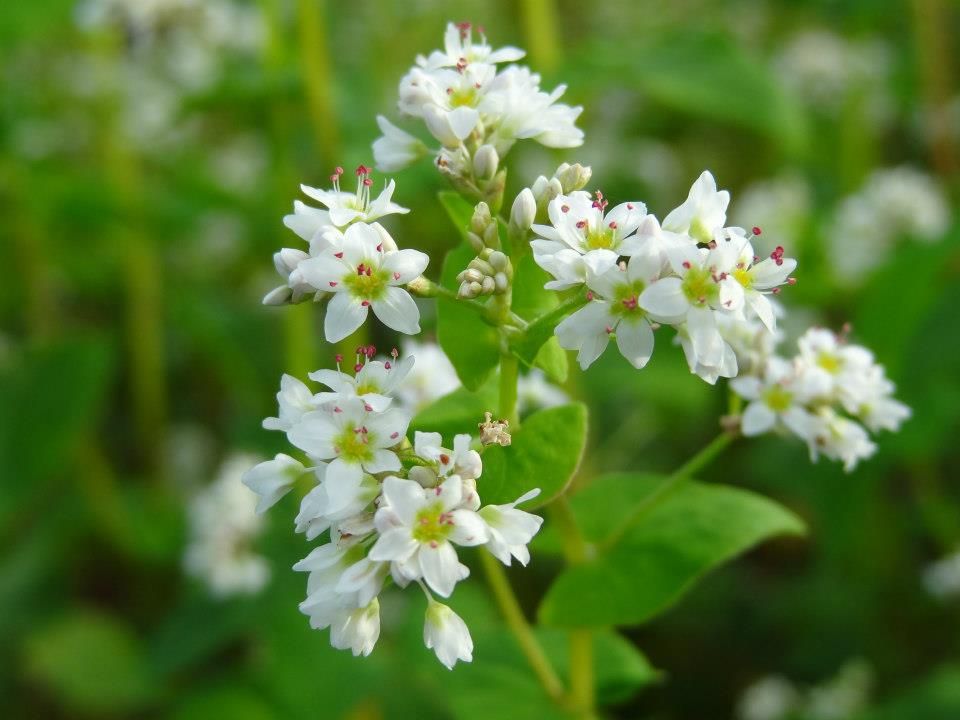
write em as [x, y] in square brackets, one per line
[689, 532]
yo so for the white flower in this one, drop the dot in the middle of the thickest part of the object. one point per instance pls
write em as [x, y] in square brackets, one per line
[459, 49]
[758, 277]
[328, 505]
[344, 208]
[273, 479]
[223, 522]
[432, 376]
[358, 630]
[354, 440]
[396, 149]
[778, 395]
[614, 308]
[361, 274]
[375, 382]
[702, 285]
[942, 578]
[839, 438]
[534, 391]
[446, 634]
[770, 698]
[294, 400]
[702, 213]
[461, 460]
[511, 530]
[579, 225]
[417, 529]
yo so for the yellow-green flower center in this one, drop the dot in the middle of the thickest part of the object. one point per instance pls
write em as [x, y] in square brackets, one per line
[432, 524]
[699, 287]
[829, 362]
[626, 301]
[777, 398]
[367, 387]
[699, 231]
[602, 239]
[743, 276]
[353, 444]
[367, 282]
[464, 96]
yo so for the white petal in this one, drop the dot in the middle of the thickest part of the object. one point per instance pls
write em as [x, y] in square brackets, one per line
[441, 569]
[664, 298]
[397, 310]
[635, 340]
[344, 315]
[757, 419]
[394, 545]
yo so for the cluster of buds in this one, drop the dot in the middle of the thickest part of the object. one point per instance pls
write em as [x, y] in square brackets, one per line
[490, 272]
[567, 179]
[476, 175]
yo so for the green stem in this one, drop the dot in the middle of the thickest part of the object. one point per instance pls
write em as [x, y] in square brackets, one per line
[509, 376]
[513, 614]
[576, 551]
[317, 76]
[540, 29]
[683, 473]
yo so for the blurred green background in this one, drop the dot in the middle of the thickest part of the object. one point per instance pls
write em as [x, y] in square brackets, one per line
[149, 151]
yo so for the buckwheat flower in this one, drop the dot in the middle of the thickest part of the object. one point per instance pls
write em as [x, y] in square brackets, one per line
[460, 49]
[447, 635]
[223, 522]
[291, 291]
[344, 207]
[357, 631]
[431, 377]
[700, 287]
[294, 400]
[702, 213]
[778, 396]
[869, 396]
[461, 460]
[839, 366]
[839, 438]
[361, 274]
[332, 504]
[375, 382]
[418, 528]
[759, 277]
[273, 479]
[396, 148]
[614, 308]
[354, 440]
[511, 530]
[751, 340]
[580, 223]
[770, 698]
[942, 578]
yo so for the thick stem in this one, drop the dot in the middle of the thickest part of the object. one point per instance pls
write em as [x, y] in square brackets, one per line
[576, 550]
[513, 614]
[509, 376]
[318, 77]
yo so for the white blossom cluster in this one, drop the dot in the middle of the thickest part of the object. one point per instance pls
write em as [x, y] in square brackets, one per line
[389, 510]
[893, 204]
[475, 110]
[222, 525]
[351, 260]
[942, 578]
[691, 273]
[829, 395]
[838, 698]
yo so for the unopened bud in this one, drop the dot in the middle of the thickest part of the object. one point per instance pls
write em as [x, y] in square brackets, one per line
[485, 162]
[423, 475]
[539, 187]
[498, 260]
[470, 275]
[481, 265]
[491, 236]
[278, 296]
[481, 219]
[524, 210]
[476, 242]
[469, 290]
[573, 177]
[488, 286]
[501, 281]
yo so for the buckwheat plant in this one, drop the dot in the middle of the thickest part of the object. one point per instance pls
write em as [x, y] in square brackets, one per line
[563, 269]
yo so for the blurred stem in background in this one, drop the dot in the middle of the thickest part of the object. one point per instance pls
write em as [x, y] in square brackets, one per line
[143, 270]
[540, 30]
[932, 29]
[39, 306]
[298, 328]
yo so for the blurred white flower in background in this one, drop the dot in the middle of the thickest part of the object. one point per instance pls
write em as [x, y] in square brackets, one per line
[838, 698]
[223, 523]
[770, 698]
[942, 578]
[431, 378]
[893, 204]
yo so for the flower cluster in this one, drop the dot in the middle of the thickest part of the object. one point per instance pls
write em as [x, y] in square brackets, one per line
[474, 110]
[895, 203]
[690, 273]
[829, 395]
[222, 525]
[351, 260]
[391, 511]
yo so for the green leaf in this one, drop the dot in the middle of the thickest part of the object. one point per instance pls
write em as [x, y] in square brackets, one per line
[552, 359]
[500, 683]
[91, 662]
[545, 453]
[226, 700]
[528, 345]
[458, 210]
[457, 412]
[935, 698]
[692, 530]
[472, 345]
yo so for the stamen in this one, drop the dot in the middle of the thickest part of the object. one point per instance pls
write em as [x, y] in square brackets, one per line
[756, 230]
[686, 264]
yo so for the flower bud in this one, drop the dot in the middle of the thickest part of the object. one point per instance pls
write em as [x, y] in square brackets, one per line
[423, 475]
[485, 162]
[501, 281]
[524, 210]
[278, 296]
[482, 265]
[481, 219]
[439, 125]
[488, 285]
[539, 187]
[491, 236]
[476, 242]
[573, 177]
[498, 260]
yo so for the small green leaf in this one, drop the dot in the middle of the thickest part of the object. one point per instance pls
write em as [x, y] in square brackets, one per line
[459, 210]
[552, 359]
[457, 412]
[690, 531]
[545, 453]
[472, 345]
[92, 663]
